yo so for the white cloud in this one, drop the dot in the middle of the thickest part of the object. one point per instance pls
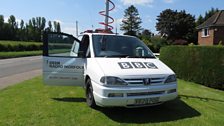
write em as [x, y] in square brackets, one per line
[18, 21]
[137, 2]
[168, 1]
[6, 19]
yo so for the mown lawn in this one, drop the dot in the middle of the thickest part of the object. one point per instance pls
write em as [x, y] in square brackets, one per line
[31, 103]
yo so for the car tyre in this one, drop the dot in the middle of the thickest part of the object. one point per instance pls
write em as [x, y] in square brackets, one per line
[89, 94]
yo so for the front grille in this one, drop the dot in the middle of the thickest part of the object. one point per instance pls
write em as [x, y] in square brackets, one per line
[140, 81]
[134, 81]
[145, 93]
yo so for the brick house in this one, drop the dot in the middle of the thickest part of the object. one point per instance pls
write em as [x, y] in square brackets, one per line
[211, 32]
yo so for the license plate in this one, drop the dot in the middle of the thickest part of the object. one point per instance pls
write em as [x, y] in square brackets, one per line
[146, 101]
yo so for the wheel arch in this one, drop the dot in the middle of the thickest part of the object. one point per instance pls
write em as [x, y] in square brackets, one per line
[86, 78]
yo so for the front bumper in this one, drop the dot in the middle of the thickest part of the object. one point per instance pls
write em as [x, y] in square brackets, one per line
[131, 94]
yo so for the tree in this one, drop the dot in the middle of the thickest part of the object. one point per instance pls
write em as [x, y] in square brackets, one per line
[21, 34]
[131, 22]
[13, 27]
[145, 35]
[35, 27]
[211, 12]
[1, 21]
[175, 25]
[1, 26]
[208, 14]
[12, 22]
[41, 22]
[157, 42]
[22, 24]
[50, 26]
[31, 31]
[200, 20]
[57, 26]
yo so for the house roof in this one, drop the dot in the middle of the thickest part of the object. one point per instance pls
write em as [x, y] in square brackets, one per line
[216, 20]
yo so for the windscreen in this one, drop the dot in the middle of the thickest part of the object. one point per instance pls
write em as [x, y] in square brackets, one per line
[120, 46]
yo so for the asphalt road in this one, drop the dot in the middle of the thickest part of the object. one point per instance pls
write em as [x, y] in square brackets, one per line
[18, 69]
[19, 65]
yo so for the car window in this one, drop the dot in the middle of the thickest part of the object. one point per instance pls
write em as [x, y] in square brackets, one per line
[120, 46]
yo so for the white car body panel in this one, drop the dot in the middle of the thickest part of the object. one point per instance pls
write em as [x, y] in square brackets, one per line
[110, 67]
[63, 71]
[73, 71]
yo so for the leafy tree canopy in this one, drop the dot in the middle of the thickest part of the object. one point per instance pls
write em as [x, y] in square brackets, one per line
[31, 31]
[175, 25]
[131, 22]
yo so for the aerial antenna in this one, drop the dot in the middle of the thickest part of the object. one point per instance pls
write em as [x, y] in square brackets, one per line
[77, 28]
[116, 26]
[105, 13]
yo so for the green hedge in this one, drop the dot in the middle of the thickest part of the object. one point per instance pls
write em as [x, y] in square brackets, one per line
[6, 55]
[200, 64]
[13, 46]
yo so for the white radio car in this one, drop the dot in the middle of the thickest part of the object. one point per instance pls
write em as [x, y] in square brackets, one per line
[115, 70]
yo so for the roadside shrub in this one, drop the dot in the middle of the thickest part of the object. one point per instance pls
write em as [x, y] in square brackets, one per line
[6, 55]
[158, 43]
[12, 46]
[200, 64]
[155, 43]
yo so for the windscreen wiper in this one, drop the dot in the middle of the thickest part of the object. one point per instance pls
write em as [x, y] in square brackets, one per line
[119, 56]
[140, 57]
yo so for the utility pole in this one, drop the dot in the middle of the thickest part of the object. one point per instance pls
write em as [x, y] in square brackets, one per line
[107, 14]
[77, 29]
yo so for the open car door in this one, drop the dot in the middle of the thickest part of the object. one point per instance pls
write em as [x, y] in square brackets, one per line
[62, 65]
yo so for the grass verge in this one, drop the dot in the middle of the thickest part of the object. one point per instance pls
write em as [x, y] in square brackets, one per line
[5, 55]
[18, 42]
[32, 103]
[16, 46]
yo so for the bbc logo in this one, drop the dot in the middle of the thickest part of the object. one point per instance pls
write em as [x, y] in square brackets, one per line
[137, 65]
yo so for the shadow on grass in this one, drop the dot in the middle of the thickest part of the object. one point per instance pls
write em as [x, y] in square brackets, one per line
[170, 111]
[70, 99]
[201, 98]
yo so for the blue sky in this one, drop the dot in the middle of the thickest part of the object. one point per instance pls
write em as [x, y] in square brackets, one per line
[86, 11]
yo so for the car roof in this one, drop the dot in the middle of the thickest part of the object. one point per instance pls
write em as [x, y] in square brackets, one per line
[109, 34]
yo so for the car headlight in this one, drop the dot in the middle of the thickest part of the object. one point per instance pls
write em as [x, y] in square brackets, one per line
[112, 81]
[171, 78]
